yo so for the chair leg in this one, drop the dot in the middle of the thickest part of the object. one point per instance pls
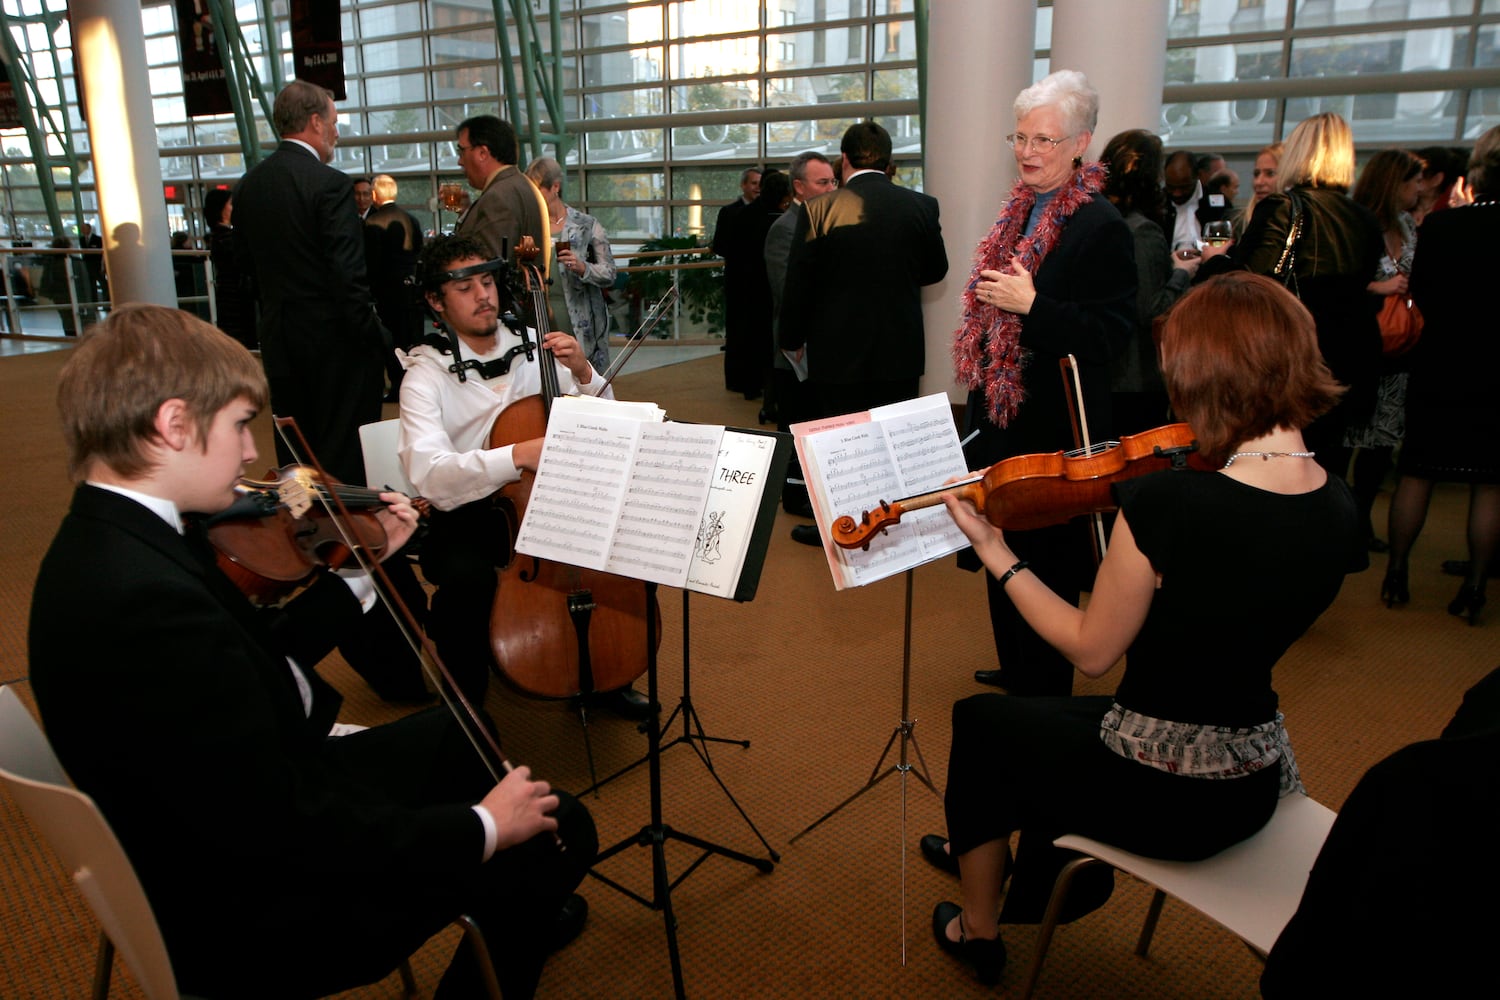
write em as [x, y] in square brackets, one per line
[103, 966]
[1149, 927]
[481, 951]
[408, 980]
[1049, 921]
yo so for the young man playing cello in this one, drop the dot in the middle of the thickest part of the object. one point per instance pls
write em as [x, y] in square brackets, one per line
[455, 388]
[280, 859]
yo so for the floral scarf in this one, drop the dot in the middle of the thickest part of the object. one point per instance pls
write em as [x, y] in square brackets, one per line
[987, 347]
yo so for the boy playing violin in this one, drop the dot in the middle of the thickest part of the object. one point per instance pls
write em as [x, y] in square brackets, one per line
[280, 859]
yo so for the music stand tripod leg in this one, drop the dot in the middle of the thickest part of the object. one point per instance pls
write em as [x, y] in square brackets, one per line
[656, 833]
[904, 731]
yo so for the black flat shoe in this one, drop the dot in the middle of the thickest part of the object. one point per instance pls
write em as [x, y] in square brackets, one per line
[1467, 603]
[994, 678]
[935, 850]
[986, 955]
[807, 534]
[1393, 590]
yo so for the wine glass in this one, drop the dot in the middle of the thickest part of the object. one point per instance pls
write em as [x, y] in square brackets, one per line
[453, 197]
[1218, 233]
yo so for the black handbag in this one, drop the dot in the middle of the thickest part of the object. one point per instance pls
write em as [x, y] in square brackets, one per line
[1286, 267]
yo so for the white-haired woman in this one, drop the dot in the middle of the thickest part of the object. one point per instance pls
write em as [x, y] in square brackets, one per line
[1055, 276]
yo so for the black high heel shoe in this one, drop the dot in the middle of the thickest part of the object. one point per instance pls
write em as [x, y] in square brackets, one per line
[986, 955]
[1393, 589]
[1467, 603]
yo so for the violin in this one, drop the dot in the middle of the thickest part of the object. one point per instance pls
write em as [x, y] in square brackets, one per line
[277, 533]
[559, 631]
[1033, 491]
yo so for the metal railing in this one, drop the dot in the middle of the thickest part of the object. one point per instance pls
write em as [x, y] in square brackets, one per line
[54, 292]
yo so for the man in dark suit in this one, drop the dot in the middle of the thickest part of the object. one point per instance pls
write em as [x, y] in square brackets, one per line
[508, 205]
[852, 300]
[283, 854]
[811, 175]
[853, 293]
[298, 237]
[724, 222]
[393, 238]
[364, 197]
[1189, 208]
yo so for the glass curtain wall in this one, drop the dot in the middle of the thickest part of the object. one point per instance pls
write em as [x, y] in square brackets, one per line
[667, 101]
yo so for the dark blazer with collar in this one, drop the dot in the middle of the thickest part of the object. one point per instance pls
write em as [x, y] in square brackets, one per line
[853, 294]
[169, 700]
[300, 240]
[299, 237]
[503, 212]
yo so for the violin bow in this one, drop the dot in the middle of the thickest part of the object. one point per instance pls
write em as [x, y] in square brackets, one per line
[653, 318]
[1078, 416]
[478, 733]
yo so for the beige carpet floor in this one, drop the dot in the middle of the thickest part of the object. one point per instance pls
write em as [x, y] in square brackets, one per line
[812, 679]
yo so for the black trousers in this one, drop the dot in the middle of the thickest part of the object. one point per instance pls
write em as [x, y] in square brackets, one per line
[355, 927]
[461, 556]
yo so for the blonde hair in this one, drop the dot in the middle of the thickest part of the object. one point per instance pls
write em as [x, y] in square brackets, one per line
[126, 367]
[1319, 153]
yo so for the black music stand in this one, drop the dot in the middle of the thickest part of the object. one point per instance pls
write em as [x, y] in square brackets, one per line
[656, 833]
[905, 731]
[693, 735]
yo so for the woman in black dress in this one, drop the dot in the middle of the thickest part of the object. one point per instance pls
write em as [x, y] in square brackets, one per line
[1210, 577]
[1338, 249]
[1452, 418]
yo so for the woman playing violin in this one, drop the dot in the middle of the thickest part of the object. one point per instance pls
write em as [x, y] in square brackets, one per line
[1209, 578]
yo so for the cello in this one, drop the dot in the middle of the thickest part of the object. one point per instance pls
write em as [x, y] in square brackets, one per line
[558, 631]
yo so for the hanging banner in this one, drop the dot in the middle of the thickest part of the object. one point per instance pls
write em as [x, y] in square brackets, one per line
[318, 44]
[205, 88]
[10, 111]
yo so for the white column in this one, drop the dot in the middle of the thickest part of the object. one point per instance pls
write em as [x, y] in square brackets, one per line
[111, 48]
[1122, 49]
[980, 57]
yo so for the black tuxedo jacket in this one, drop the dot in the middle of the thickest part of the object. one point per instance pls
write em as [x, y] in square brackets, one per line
[853, 294]
[302, 244]
[169, 700]
[299, 237]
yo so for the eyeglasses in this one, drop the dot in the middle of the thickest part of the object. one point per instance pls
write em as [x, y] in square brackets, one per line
[460, 149]
[1040, 143]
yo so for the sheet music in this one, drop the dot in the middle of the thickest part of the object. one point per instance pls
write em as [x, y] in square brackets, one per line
[664, 499]
[619, 490]
[853, 463]
[579, 488]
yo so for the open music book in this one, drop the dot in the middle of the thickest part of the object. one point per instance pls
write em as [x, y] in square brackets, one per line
[622, 490]
[853, 462]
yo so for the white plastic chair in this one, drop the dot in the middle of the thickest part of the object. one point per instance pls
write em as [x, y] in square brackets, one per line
[382, 464]
[1251, 888]
[81, 837]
